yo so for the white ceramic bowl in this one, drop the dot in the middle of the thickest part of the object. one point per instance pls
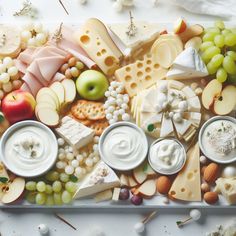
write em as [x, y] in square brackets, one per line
[117, 165]
[202, 145]
[167, 172]
[43, 167]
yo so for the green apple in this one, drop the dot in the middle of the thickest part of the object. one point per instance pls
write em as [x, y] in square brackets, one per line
[92, 85]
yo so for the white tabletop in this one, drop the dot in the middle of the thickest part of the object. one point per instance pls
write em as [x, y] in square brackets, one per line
[111, 222]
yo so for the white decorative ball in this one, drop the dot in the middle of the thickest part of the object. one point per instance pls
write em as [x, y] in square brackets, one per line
[163, 87]
[12, 71]
[119, 102]
[113, 84]
[203, 160]
[177, 117]
[114, 94]
[229, 171]
[121, 111]
[108, 116]
[8, 62]
[195, 214]
[158, 107]
[126, 117]
[107, 93]
[60, 141]
[171, 114]
[69, 170]
[75, 163]
[139, 227]
[124, 106]
[43, 229]
[118, 7]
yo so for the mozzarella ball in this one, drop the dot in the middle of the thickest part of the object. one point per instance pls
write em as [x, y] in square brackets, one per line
[89, 162]
[26, 35]
[121, 111]
[70, 156]
[69, 170]
[78, 171]
[4, 78]
[60, 165]
[177, 117]
[96, 139]
[8, 62]
[195, 214]
[43, 229]
[75, 163]
[79, 157]
[2, 68]
[126, 117]
[60, 141]
[124, 106]
[107, 93]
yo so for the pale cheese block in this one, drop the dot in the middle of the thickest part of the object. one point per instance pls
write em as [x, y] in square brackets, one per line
[103, 196]
[194, 117]
[227, 187]
[167, 128]
[94, 38]
[116, 194]
[194, 104]
[140, 75]
[187, 184]
[189, 93]
[189, 134]
[100, 179]
[176, 84]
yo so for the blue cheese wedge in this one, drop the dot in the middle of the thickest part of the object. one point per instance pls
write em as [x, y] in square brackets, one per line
[102, 178]
[75, 133]
[188, 64]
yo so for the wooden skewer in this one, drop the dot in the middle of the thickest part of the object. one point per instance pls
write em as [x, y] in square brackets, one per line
[149, 217]
[65, 221]
[185, 221]
[60, 1]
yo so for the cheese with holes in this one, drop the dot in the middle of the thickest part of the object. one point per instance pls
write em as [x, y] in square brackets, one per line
[94, 38]
[188, 64]
[227, 187]
[140, 75]
[75, 133]
[102, 178]
[187, 184]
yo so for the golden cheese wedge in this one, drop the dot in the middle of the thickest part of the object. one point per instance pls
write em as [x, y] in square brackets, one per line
[10, 41]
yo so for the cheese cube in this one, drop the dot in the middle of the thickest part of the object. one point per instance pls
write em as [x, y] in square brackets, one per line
[75, 133]
[116, 194]
[189, 93]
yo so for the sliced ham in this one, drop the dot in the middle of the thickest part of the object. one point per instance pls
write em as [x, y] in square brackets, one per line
[57, 77]
[26, 55]
[25, 87]
[48, 66]
[32, 82]
[21, 66]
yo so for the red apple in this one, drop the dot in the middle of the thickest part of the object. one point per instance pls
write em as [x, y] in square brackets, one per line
[18, 105]
[180, 26]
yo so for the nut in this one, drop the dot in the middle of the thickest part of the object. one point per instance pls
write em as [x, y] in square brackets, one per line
[203, 169]
[210, 197]
[205, 187]
[163, 184]
[211, 173]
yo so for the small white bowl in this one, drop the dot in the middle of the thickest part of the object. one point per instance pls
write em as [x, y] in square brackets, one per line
[30, 172]
[168, 172]
[126, 166]
[201, 143]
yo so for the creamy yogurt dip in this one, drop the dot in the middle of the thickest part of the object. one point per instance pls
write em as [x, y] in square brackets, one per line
[123, 146]
[218, 140]
[28, 148]
[167, 156]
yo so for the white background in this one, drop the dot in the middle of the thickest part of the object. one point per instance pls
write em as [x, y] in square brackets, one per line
[112, 222]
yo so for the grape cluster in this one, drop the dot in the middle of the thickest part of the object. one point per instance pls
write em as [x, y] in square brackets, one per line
[218, 51]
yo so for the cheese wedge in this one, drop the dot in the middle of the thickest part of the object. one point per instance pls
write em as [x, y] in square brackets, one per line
[102, 178]
[188, 64]
[194, 104]
[181, 127]
[167, 128]
[94, 38]
[186, 186]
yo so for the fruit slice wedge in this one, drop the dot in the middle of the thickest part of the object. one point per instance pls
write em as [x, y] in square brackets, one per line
[147, 189]
[70, 90]
[48, 116]
[58, 88]
[46, 98]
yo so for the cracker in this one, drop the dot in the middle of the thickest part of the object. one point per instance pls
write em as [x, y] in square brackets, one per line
[99, 126]
[77, 109]
[94, 111]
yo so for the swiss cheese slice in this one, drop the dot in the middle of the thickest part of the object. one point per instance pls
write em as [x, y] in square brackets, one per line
[187, 184]
[94, 38]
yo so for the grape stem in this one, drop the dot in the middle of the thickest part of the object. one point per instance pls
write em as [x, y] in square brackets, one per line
[65, 221]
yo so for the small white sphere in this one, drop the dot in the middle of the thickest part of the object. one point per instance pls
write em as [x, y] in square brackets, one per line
[38, 27]
[229, 171]
[112, 121]
[96, 159]
[126, 117]
[70, 149]
[120, 96]
[26, 35]
[12, 71]
[40, 39]
[115, 118]
[79, 157]
[203, 160]
[108, 116]
[195, 214]
[119, 90]
[114, 94]
[171, 114]
[78, 171]
[96, 139]
[111, 109]
[126, 98]
[121, 111]
[183, 105]
[163, 87]
[116, 113]
[89, 162]
[60, 165]
[75, 163]
[161, 98]
[118, 6]
[43, 229]
[70, 156]
[164, 105]
[8, 62]
[61, 156]
[85, 154]
[113, 84]
[107, 93]
[32, 42]
[124, 106]
[177, 117]
[60, 141]
[111, 100]
[139, 227]
[119, 102]
[4, 78]
[69, 170]
[61, 150]
[2, 68]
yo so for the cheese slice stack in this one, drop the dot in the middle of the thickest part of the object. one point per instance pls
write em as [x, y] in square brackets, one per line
[187, 184]
[188, 64]
[102, 178]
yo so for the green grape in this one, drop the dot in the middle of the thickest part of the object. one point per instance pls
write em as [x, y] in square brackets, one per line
[210, 52]
[230, 39]
[48, 189]
[219, 41]
[225, 31]
[211, 68]
[64, 177]
[232, 54]
[221, 75]
[233, 48]
[229, 65]
[52, 176]
[208, 37]
[57, 186]
[220, 24]
[70, 187]
[66, 197]
[40, 198]
[57, 198]
[41, 186]
[217, 60]
[49, 200]
[30, 197]
[214, 30]
[231, 79]
[206, 45]
[30, 186]
[233, 30]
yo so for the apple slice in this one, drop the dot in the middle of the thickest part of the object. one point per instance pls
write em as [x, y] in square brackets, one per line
[210, 93]
[13, 190]
[43, 91]
[43, 105]
[190, 32]
[48, 116]
[180, 26]
[124, 180]
[194, 42]
[70, 90]
[46, 98]
[132, 182]
[147, 189]
[58, 88]
[226, 102]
